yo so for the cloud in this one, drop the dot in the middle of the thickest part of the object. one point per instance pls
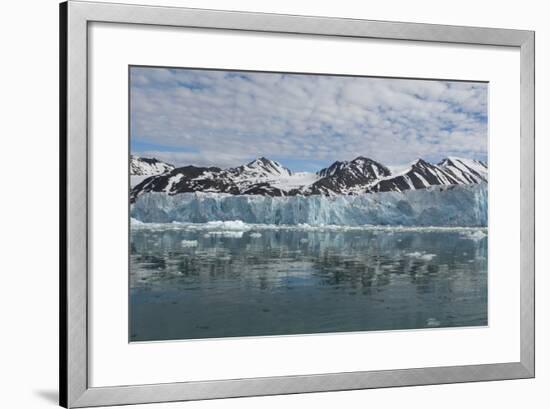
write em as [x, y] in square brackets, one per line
[226, 118]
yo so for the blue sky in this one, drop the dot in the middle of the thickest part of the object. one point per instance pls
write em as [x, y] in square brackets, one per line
[306, 122]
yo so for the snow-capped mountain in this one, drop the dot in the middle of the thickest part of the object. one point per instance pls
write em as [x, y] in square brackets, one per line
[266, 177]
[419, 175]
[422, 174]
[347, 177]
[262, 168]
[465, 170]
[148, 166]
[258, 177]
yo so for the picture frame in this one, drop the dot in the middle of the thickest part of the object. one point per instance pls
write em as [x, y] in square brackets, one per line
[75, 388]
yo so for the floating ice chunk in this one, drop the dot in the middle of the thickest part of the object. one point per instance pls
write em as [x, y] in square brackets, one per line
[227, 233]
[421, 255]
[427, 257]
[232, 225]
[474, 235]
[304, 240]
[256, 235]
[206, 227]
[432, 322]
[189, 243]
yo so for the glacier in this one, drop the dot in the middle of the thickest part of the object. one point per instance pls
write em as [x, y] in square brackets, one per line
[458, 205]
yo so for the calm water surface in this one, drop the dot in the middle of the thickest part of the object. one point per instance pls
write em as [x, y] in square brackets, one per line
[191, 282]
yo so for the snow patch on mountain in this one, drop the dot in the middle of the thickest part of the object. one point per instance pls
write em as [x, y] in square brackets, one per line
[296, 180]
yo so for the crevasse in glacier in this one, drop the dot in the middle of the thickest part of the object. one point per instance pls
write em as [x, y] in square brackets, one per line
[464, 205]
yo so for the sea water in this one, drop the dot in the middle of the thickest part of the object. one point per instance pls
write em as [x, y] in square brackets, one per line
[212, 280]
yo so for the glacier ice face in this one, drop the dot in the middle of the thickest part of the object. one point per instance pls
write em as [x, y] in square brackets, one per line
[461, 205]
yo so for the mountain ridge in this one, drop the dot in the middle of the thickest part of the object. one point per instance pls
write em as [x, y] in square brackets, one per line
[267, 177]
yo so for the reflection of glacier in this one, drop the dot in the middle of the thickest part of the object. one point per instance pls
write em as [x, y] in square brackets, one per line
[174, 255]
[464, 205]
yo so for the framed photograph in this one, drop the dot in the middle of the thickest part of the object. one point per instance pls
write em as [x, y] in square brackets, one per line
[259, 204]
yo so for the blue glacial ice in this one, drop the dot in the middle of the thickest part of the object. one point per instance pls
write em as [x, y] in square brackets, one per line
[463, 205]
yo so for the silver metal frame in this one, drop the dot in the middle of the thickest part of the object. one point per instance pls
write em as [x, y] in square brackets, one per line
[74, 388]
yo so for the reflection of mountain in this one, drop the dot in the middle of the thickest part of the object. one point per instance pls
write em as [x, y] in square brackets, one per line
[267, 177]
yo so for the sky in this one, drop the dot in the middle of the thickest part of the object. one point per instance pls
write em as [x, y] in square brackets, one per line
[306, 122]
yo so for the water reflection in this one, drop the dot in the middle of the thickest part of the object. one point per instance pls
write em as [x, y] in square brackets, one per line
[193, 283]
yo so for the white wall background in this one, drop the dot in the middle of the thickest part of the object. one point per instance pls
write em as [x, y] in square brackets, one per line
[29, 220]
